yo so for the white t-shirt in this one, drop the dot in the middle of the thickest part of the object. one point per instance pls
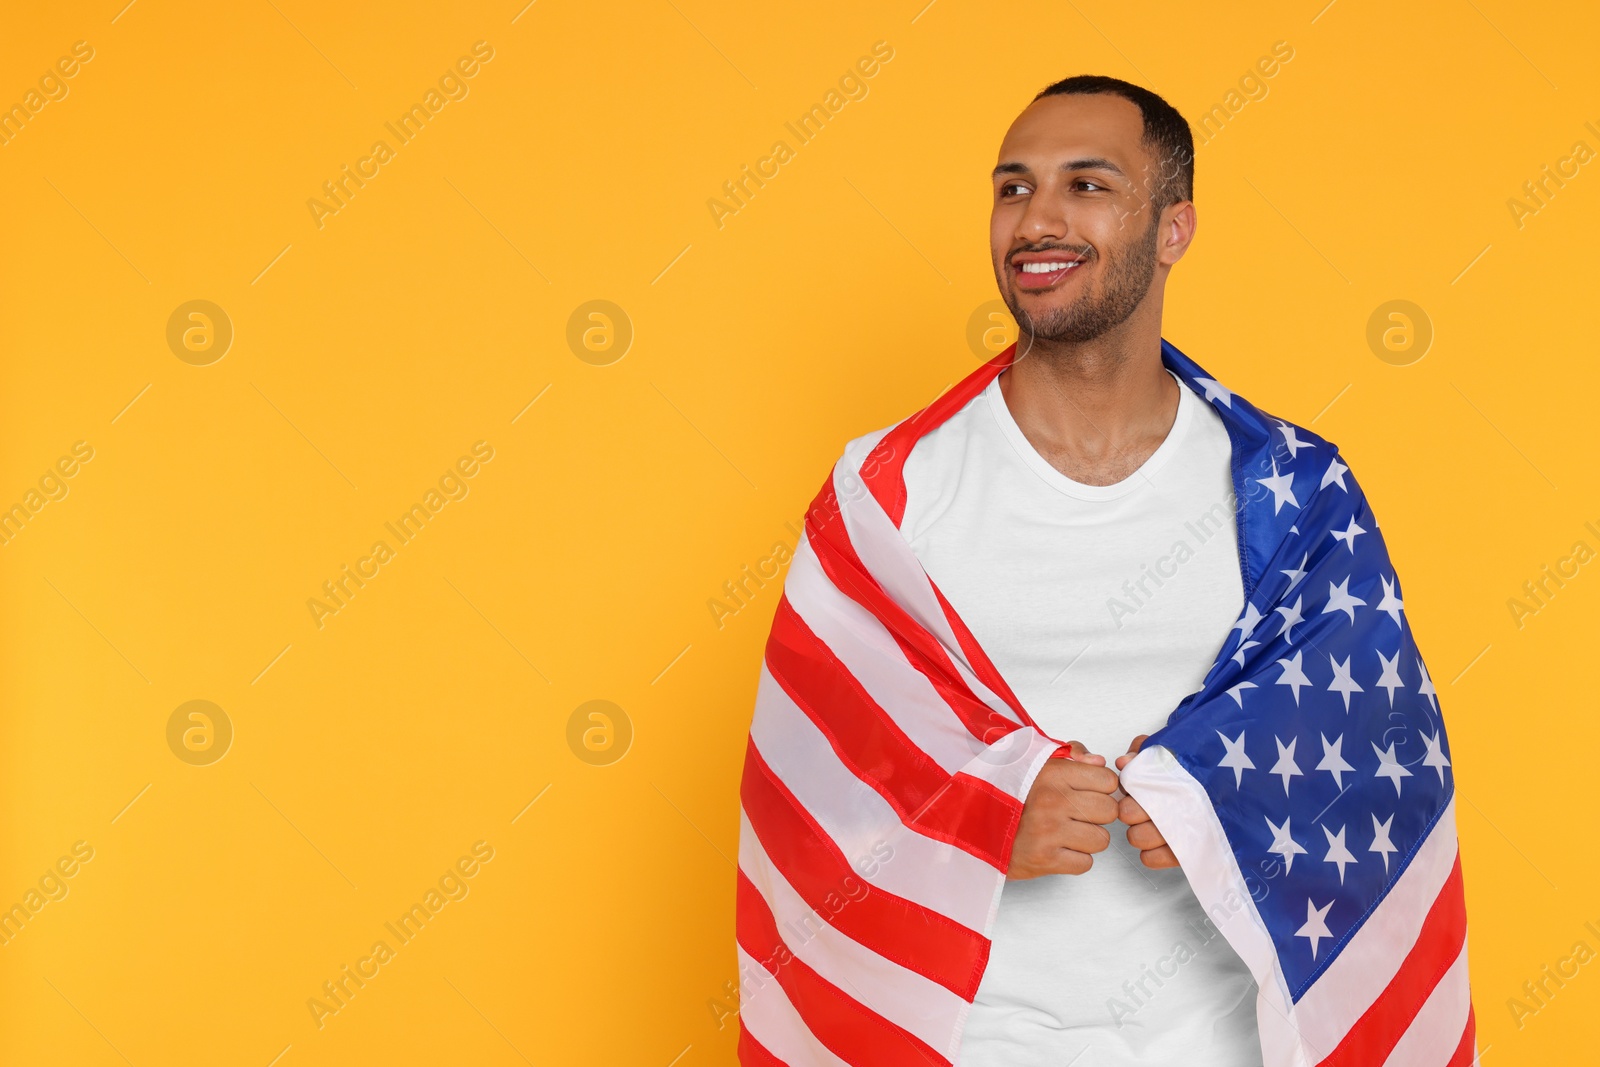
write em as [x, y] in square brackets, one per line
[1102, 606]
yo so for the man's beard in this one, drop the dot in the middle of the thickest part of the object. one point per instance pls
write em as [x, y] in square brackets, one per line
[1127, 280]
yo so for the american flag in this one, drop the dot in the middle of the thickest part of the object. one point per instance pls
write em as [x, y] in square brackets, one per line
[1306, 788]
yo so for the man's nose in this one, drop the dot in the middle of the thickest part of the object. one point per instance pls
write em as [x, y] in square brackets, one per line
[1044, 219]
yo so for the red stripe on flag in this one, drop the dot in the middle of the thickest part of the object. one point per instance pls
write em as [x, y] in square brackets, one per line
[958, 809]
[1379, 1029]
[918, 938]
[1468, 1049]
[884, 468]
[986, 671]
[830, 540]
[753, 1052]
[854, 1032]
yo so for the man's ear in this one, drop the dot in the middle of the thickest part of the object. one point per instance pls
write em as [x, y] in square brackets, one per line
[1177, 227]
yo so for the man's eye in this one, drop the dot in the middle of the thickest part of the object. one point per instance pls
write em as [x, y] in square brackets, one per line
[1005, 190]
[1082, 182]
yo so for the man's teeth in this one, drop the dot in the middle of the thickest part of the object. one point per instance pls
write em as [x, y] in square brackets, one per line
[1047, 268]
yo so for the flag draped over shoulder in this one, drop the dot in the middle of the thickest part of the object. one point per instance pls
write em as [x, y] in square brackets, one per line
[1306, 788]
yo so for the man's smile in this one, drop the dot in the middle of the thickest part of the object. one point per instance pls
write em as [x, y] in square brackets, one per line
[1037, 271]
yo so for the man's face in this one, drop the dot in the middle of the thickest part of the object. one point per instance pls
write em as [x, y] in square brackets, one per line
[1073, 232]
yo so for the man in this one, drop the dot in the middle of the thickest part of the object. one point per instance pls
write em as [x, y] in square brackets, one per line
[1057, 549]
[1078, 470]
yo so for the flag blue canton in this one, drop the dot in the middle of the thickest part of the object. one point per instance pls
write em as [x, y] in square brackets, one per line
[1317, 733]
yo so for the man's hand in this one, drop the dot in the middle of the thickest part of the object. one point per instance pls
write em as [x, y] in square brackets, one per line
[1142, 833]
[1065, 816]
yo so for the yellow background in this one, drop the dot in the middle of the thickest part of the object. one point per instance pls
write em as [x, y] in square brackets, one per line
[425, 316]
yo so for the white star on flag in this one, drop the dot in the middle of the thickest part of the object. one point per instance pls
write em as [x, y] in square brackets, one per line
[1248, 621]
[1337, 853]
[1215, 391]
[1349, 534]
[1334, 475]
[1316, 927]
[1284, 844]
[1293, 676]
[1343, 683]
[1235, 759]
[1291, 615]
[1282, 486]
[1380, 840]
[1426, 688]
[1296, 573]
[1435, 757]
[1339, 599]
[1390, 678]
[1389, 767]
[1235, 691]
[1390, 603]
[1293, 443]
[1333, 761]
[1286, 765]
[1238, 657]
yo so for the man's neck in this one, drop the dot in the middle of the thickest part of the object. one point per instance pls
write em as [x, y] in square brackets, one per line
[1095, 410]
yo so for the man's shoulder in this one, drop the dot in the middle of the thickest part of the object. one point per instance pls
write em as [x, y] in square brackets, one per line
[1275, 438]
[1286, 462]
[857, 449]
[950, 429]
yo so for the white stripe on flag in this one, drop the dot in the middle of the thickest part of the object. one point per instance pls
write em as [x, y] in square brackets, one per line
[772, 1020]
[1013, 762]
[870, 654]
[856, 818]
[903, 997]
[1433, 1035]
[887, 556]
[873, 658]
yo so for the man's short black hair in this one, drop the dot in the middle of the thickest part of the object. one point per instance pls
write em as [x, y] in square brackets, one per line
[1164, 130]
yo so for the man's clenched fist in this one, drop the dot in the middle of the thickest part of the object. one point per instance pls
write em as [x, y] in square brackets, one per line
[1065, 816]
[1142, 833]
